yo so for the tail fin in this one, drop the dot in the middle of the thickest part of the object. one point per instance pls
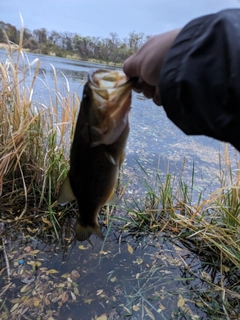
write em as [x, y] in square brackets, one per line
[84, 232]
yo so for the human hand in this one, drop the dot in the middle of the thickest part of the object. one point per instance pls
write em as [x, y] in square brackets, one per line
[146, 64]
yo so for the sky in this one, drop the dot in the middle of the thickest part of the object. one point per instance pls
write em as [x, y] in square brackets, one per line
[100, 17]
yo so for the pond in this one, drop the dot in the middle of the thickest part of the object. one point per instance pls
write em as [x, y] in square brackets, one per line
[129, 275]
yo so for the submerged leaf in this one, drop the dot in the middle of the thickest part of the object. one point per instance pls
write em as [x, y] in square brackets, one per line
[135, 308]
[149, 313]
[102, 317]
[130, 249]
[139, 261]
[88, 301]
[99, 292]
[181, 301]
[103, 252]
[81, 247]
[113, 279]
[75, 275]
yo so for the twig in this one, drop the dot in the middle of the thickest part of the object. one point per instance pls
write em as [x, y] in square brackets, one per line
[6, 259]
[223, 290]
[5, 289]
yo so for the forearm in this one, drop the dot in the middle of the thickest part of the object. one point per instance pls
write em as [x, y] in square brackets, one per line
[200, 77]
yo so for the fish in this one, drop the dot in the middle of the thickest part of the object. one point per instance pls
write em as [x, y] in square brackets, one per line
[98, 148]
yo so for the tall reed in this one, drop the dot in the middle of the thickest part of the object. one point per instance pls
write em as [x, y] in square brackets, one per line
[34, 138]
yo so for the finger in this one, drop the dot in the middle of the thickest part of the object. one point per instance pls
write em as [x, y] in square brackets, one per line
[148, 91]
[130, 67]
[157, 97]
[138, 85]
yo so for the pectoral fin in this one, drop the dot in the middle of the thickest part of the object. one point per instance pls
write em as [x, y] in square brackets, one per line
[113, 199]
[65, 195]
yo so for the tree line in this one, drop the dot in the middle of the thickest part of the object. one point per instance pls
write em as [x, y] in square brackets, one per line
[63, 44]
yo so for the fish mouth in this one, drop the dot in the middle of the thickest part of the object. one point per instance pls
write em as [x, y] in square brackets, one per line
[107, 79]
[111, 93]
[109, 84]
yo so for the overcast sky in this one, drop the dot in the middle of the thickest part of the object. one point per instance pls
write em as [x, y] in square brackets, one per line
[99, 17]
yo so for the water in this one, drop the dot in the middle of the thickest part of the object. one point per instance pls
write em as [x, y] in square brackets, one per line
[128, 276]
[154, 140]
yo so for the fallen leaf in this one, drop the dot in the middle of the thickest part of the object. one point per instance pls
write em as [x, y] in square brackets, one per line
[43, 269]
[64, 297]
[75, 275]
[14, 307]
[17, 300]
[51, 271]
[75, 285]
[150, 314]
[181, 301]
[225, 268]
[35, 302]
[38, 264]
[113, 279]
[99, 292]
[137, 275]
[81, 247]
[27, 249]
[161, 306]
[34, 252]
[102, 317]
[73, 296]
[75, 289]
[25, 288]
[32, 230]
[135, 308]
[46, 221]
[139, 261]
[88, 301]
[65, 275]
[103, 252]
[130, 249]
[206, 276]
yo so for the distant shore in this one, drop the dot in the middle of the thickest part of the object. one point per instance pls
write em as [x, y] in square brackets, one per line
[74, 57]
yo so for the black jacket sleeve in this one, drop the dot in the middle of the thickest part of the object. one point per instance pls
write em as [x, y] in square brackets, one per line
[200, 78]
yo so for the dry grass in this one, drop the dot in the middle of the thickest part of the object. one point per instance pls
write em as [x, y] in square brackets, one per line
[34, 138]
[211, 223]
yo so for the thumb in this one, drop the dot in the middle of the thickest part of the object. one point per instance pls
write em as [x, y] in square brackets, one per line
[130, 67]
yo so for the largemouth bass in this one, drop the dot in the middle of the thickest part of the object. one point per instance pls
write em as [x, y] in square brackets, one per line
[98, 147]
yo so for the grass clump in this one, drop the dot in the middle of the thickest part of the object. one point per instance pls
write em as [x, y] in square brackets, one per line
[212, 221]
[208, 225]
[34, 138]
